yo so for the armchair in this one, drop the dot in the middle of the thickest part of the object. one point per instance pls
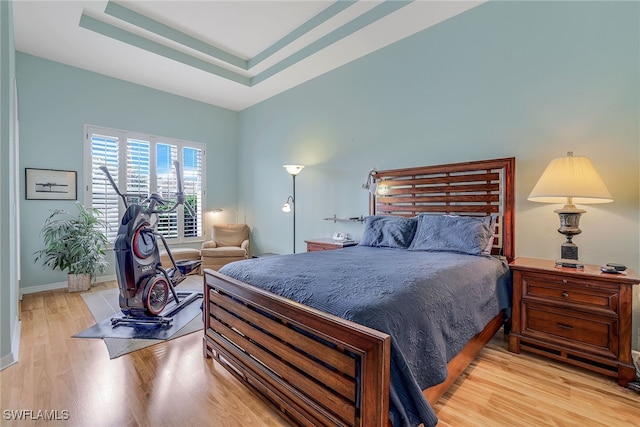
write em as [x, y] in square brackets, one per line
[230, 243]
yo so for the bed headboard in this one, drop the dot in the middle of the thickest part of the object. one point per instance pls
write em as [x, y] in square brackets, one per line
[476, 188]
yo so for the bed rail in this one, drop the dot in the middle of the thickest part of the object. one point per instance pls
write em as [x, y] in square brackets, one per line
[316, 368]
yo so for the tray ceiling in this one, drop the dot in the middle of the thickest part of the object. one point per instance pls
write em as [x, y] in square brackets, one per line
[233, 54]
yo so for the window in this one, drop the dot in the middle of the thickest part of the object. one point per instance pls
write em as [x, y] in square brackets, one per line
[142, 165]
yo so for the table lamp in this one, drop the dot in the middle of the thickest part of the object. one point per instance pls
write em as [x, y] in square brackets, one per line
[570, 180]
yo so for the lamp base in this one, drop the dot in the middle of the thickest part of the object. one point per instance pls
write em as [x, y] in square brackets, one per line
[569, 250]
[571, 263]
[569, 219]
[569, 227]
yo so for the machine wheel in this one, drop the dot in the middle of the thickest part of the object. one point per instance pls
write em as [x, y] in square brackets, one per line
[155, 295]
[144, 242]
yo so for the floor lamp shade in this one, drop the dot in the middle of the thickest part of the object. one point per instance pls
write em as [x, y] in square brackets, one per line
[293, 169]
[570, 180]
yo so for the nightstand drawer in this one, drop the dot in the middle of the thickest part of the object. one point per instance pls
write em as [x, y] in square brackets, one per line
[572, 329]
[324, 244]
[312, 247]
[599, 297]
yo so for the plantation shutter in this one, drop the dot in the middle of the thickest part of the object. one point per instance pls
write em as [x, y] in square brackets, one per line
[167, 186]
[138, 168]
[104, 152]
[192, 178]
[142, 165]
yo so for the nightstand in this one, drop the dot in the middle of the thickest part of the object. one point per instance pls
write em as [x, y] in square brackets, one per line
[579, 316]
[326, 244]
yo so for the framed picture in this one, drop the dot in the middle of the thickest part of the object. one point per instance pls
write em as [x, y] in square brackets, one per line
[50, 184]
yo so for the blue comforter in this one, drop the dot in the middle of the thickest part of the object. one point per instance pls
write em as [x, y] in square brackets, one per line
[430, 303]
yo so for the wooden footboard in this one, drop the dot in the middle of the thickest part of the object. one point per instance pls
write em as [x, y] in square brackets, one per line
[315, 368]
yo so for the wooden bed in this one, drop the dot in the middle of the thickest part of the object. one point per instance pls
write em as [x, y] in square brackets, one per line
[319, 369]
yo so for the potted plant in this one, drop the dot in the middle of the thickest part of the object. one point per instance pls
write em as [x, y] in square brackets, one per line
[75, 244]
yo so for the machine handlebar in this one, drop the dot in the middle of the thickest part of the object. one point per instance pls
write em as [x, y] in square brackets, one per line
[154, 199]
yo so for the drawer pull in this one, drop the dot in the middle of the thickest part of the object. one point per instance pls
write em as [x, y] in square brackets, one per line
[563, 326]
[565, 295]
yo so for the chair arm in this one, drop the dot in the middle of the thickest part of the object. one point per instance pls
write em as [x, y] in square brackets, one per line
[209, 244]
[245, 245]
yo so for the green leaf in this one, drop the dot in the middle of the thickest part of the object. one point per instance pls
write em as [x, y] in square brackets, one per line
[75, 243]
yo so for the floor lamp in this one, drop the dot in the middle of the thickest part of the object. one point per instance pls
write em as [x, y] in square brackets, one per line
[290, 204]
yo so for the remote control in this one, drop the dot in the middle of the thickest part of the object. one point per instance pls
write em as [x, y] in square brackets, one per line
[618, 267]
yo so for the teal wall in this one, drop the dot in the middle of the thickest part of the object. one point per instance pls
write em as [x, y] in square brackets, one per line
[56, 101]
[526, 79]
[9, 324]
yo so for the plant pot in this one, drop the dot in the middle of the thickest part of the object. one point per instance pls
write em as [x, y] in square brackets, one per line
[78, 282]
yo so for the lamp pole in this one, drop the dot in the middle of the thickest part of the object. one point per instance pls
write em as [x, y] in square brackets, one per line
[294, 213]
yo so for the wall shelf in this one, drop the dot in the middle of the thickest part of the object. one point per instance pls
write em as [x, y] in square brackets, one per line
[350, 219]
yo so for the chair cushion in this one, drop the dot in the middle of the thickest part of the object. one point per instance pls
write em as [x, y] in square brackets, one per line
[224, 251]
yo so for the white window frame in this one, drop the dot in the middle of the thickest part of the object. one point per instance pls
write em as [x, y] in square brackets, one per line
[122, 136]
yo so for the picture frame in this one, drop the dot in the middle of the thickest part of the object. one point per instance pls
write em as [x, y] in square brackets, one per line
[50, 184]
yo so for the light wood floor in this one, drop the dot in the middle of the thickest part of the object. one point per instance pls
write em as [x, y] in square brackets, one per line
[171, 384]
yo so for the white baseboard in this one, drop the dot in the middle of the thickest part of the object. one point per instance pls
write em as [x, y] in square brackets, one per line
[60, 285]
[12, 358]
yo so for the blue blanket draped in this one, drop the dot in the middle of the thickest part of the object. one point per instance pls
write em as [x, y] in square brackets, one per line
[430, 303]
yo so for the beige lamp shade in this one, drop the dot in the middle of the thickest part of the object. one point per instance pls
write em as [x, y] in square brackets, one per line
[293, 169]
[570, 180]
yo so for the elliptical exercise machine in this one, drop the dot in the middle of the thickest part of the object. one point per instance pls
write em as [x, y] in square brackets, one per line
[146, 287]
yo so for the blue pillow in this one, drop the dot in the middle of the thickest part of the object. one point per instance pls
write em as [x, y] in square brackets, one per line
[388, 231]
[451, 233]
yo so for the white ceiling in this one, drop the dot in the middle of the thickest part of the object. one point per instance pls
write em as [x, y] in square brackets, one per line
[228, 53]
